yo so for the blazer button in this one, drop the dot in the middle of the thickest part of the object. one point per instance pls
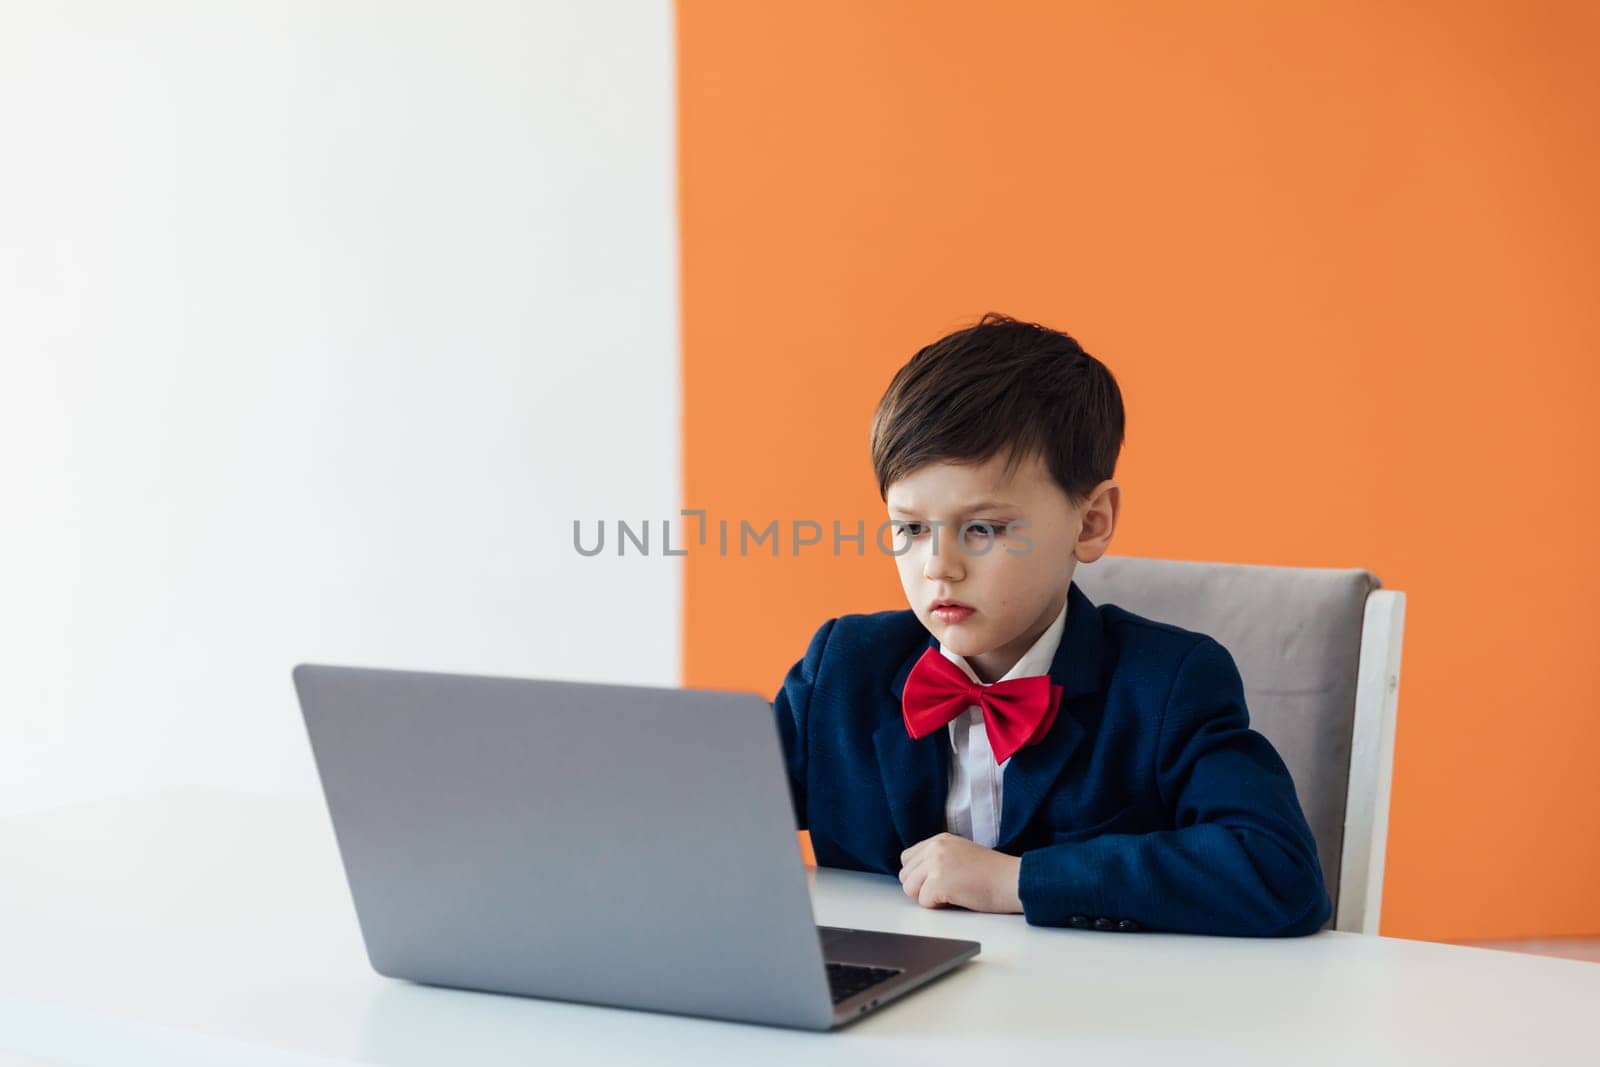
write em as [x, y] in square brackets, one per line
[1104, 923]
[1080, 921]
[1128, 926]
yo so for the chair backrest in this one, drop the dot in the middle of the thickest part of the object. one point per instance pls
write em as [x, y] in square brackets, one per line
[1295, 635]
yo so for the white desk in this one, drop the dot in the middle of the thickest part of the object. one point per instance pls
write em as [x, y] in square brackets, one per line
[200, 927]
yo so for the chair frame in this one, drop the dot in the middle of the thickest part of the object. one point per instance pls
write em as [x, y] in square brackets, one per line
[1366, 810]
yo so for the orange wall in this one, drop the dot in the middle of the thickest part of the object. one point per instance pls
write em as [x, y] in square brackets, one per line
[1342, 259]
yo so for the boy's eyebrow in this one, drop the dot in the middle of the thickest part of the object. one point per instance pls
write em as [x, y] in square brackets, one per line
[978, 505]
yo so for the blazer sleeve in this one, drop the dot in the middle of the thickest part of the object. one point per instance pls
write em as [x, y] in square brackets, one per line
[791, 707]
[1241, 859]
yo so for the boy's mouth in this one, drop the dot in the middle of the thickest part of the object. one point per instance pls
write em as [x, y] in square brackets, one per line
[948, 611]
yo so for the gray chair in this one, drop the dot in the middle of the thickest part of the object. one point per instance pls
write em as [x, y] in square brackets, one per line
[1318, 650]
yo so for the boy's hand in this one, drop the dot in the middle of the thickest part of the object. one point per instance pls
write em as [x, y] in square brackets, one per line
[949, 869]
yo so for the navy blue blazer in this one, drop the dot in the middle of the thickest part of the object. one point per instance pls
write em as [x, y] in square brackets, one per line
[1150, 803]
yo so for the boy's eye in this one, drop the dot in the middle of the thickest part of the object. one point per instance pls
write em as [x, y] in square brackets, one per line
[977, 527]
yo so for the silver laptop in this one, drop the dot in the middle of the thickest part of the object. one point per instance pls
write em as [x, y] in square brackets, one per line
[623, 845]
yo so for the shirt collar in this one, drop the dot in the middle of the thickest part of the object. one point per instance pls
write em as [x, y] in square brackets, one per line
[1036, 660]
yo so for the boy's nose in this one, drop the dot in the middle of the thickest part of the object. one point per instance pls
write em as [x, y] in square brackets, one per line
[943, 564]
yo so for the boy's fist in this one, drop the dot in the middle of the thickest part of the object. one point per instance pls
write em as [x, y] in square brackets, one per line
[949, 869]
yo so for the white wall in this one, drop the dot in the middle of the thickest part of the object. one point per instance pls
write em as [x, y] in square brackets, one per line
[319, 324]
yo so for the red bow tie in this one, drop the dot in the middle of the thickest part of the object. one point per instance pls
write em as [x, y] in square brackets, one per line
[1016, 712]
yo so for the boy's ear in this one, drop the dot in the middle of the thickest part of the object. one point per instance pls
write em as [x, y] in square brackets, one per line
[1099, 517]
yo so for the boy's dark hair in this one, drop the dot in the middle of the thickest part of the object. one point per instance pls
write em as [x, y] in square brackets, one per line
[1001, 385]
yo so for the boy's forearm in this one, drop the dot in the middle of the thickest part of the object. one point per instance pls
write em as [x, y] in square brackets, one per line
[1198, 880]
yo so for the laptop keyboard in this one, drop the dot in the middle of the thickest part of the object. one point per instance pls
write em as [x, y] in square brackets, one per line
[845, 980]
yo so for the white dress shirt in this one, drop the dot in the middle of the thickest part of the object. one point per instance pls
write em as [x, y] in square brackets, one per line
[972, 808]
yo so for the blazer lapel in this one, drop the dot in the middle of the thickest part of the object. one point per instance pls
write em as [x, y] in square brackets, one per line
[1033, 769]
[916, 774]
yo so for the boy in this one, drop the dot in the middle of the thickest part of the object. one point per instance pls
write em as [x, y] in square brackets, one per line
[1005, 745]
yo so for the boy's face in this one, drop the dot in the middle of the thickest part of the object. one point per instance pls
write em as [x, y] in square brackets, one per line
[1014, 582]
